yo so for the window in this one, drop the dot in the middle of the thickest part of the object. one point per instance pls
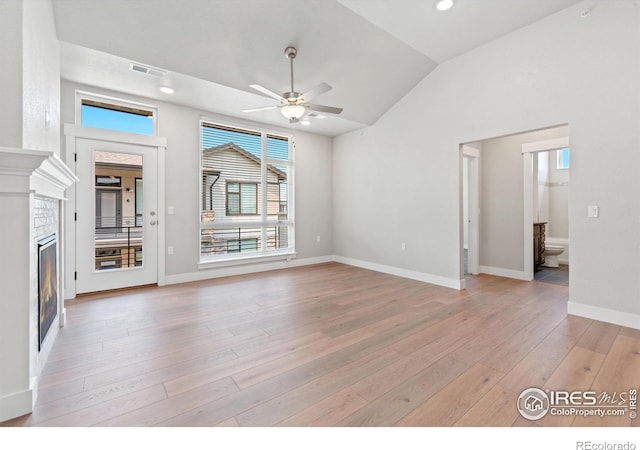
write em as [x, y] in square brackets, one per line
[117, 115]
[563, 159]
[245, 192]
[108, 180]
[242, 198]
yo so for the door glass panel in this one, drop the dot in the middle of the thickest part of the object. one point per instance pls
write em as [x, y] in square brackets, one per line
[118, 213]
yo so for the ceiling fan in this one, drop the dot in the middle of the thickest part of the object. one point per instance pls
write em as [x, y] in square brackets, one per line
[293, 105]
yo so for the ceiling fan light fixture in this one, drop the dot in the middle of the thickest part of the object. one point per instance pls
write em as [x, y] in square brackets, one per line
[443, 5]
[292, 111]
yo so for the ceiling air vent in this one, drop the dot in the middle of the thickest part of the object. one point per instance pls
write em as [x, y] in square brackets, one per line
[147, 70]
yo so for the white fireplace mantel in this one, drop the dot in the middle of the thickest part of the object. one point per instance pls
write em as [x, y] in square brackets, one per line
[29, 179]
[34, 171]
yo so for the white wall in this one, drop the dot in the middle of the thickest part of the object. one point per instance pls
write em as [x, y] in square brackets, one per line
[541, 213]
[41, 78]
[11, 73]
[558, 199]
[180, 125]
[399, 179]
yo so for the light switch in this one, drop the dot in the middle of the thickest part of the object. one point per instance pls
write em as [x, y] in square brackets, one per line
[170, 210]
[593, 211]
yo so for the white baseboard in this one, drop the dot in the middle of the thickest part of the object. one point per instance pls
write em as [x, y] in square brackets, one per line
[604, 315]
[16, 404]
[241, 270]
[506, 273]
[405, 273]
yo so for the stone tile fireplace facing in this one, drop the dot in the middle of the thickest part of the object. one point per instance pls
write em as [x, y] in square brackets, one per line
[32, 187]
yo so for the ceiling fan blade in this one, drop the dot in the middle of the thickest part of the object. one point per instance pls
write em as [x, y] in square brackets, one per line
[264, 108]
[314, 92]
[267, 92]
[322, 108]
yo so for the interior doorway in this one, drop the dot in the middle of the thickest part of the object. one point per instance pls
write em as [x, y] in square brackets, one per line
[539, 160]
[470, 210]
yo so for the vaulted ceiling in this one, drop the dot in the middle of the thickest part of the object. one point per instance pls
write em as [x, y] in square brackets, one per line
[372, 52]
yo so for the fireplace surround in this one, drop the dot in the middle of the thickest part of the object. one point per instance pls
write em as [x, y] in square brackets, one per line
[32, 202]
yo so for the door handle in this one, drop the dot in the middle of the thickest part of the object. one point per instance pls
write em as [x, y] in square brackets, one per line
[153, 222]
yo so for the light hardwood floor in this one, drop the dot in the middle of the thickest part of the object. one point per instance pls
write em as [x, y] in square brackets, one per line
[326, 345]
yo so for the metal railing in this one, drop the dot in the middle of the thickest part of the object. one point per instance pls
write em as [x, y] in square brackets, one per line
[241, 240]
[118, 242]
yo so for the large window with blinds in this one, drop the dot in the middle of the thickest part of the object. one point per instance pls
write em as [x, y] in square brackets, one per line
[246, 187]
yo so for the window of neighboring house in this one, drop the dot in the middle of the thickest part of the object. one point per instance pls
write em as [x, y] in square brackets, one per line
[117, 115]
[245, 192]
[242, 198]
[108, 181]
[563, 159]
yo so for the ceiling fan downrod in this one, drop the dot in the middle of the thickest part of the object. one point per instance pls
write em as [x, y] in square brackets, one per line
[290, 53]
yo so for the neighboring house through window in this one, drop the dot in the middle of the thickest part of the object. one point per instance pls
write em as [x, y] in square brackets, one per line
[245, 193]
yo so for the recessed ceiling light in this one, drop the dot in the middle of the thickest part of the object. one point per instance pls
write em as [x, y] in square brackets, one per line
[443, 5]
[166, 89]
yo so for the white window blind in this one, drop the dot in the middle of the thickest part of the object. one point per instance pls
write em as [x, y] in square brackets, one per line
[245, 188]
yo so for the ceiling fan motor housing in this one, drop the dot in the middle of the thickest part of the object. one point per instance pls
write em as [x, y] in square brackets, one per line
[290, 52]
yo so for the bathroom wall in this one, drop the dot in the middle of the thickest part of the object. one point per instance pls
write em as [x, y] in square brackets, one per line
[558, 187]
[541, 190]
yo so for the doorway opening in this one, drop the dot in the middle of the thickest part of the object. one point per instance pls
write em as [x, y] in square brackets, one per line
[504, 211]
[549, 210]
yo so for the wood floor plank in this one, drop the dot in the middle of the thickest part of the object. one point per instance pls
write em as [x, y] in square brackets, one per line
[326, 345]
[389, 408]
[495, 409]
[619, 374]
[576, 373]
[327, 412]
[110, 408]
[599, 337]
[535, 368]
[256, 374]
[292, 402]
[453, 401]
[169, 407]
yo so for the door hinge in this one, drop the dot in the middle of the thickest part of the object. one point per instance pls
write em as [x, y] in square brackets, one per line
[75, 157]
[75, 216]
[75, 275]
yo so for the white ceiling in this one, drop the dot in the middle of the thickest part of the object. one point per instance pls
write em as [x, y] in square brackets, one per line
[373, 52]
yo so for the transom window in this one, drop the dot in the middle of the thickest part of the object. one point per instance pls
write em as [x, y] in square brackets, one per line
[245, 193]
[117, 115]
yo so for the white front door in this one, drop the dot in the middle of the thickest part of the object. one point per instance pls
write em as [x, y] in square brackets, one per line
[116, 225]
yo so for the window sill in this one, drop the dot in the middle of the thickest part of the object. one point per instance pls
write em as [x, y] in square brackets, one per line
[245, 260]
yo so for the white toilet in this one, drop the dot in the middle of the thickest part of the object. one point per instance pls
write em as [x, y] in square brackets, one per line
[551, 253]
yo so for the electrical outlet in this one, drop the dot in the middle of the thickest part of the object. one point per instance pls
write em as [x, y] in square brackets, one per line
[318, 238]
[593, 211]
[404, 246]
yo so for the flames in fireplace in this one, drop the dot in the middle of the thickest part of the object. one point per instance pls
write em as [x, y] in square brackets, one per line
[47, 285]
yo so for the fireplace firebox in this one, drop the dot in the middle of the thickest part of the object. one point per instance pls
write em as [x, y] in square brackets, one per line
[47, 285]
